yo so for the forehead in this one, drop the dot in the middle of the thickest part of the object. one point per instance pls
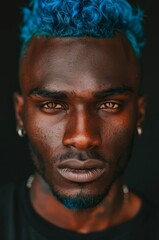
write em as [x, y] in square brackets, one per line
[79, 62]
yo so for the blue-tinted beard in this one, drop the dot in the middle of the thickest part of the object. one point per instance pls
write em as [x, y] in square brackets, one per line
[79, 201]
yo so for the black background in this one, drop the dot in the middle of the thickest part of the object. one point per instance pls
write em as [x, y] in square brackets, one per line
[15, 163]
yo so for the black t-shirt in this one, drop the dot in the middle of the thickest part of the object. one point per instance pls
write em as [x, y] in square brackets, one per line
[19, 221]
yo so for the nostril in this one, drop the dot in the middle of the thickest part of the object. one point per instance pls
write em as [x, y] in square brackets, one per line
[81, 142]
[80, 132]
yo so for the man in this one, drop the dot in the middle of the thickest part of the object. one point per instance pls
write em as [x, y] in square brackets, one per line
[80, 107]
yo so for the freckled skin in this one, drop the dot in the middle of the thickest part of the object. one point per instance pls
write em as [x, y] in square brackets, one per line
[81, 124]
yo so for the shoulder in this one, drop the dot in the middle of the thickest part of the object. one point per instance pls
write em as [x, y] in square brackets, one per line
[148, 207]
[153, 212]
[7, 190]
[147, 222]
[151, 220]
[8, 193]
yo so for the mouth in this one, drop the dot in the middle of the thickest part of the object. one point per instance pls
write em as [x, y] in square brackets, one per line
[82, 171]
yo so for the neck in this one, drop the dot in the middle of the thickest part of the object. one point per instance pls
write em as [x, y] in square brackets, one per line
[115, 209]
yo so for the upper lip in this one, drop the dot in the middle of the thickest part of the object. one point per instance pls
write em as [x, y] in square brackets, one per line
[82, 164]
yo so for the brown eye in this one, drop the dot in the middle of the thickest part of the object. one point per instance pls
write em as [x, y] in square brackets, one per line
[109, 105]
[53, 105]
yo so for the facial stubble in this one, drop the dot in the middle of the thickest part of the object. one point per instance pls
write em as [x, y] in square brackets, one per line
[81, 201]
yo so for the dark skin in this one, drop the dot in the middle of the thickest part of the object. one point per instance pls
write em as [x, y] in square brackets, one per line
[80, 97]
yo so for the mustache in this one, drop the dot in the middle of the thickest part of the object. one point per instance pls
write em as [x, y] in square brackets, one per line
[81, 156]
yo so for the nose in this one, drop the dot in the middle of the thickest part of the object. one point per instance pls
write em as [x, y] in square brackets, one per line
[82, 131]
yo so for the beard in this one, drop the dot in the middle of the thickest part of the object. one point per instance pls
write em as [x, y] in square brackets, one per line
[81, 201]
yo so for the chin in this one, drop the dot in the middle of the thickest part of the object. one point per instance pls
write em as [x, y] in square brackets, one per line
[79, 200]
[80, 196]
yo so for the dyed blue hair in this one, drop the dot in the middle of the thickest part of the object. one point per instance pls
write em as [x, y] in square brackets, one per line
[76, 18]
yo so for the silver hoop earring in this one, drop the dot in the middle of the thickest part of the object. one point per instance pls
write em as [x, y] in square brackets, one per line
[21, 131]
[139, 131]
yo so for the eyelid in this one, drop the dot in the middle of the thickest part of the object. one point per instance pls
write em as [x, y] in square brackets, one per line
[113, 102]
[54, 107]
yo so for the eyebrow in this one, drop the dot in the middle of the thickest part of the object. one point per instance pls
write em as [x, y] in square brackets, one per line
[113, 91]
[37, 92]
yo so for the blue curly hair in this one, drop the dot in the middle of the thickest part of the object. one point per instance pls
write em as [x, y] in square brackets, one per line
[76, 18]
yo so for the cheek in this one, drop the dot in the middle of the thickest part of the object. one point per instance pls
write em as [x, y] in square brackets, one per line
[118, 132]
[43, 133]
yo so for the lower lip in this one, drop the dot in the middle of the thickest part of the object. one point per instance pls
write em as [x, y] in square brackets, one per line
[81, 176]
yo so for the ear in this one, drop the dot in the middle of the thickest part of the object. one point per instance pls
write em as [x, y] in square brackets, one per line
[141, 110]
[19, 107]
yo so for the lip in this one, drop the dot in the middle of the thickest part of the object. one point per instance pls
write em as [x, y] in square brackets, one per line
[82, 171]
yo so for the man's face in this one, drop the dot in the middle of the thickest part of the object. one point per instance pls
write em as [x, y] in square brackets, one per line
[80, 109]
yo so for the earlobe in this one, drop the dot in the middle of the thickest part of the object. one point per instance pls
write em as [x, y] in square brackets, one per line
[18, 105]
[141, 113]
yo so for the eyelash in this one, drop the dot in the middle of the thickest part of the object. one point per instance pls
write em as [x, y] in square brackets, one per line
[54, 106]
[110, 105]
[105, 106]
